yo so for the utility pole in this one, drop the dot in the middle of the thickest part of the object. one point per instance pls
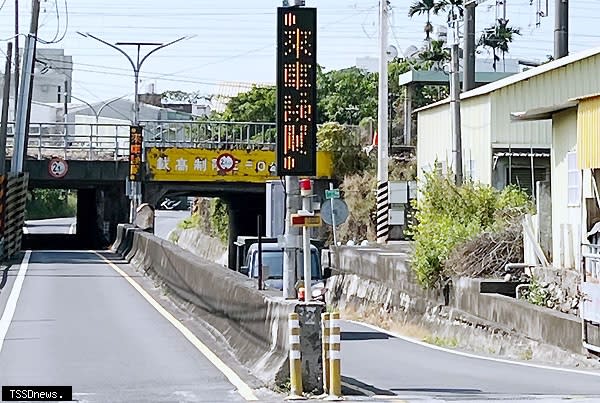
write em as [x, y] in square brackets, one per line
[17, 58]
[65, 110]
[382, 129]
[455, 100]
[292, 233]
[136, 198]
[4, 117]
[561, 29]
[469, 64]
[24, 101]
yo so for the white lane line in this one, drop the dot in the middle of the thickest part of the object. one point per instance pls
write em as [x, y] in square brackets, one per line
[11, 303]
[243, 389]
[469, 355]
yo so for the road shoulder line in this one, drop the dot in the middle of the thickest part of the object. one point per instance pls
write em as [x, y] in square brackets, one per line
[242, 388]
[470, 355]
[11, 303]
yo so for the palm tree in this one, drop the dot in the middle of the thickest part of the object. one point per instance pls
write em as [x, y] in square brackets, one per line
[498, 37]
[434, 57]
[427, 7]
[444, 5]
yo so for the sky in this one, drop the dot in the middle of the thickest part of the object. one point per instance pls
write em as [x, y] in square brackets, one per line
[234, 40]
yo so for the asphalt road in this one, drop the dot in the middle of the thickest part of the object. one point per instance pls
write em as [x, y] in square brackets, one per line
[51, 226]
[78, 322]
[377, 364]
[166, 220]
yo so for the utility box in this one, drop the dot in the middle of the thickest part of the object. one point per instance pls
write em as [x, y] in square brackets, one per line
[401, 193]
[275, 206]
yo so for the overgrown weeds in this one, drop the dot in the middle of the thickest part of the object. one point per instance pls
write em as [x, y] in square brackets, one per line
[447, 215]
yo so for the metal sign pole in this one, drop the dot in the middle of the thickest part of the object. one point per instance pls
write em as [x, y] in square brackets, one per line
[333, 217]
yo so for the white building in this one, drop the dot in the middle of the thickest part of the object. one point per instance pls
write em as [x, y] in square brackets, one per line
[536, 98]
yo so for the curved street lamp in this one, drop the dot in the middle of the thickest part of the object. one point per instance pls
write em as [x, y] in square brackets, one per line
[136, 199]
[97, 113]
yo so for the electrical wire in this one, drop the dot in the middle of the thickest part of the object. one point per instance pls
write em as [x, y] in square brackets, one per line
[56, 39]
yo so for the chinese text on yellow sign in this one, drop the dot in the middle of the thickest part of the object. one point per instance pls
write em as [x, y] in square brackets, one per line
[205, 165]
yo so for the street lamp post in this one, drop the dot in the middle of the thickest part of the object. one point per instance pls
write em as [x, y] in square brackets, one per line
[136, 199]
[98, 112]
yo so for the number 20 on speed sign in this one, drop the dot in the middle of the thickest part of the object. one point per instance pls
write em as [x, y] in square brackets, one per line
[57, 167]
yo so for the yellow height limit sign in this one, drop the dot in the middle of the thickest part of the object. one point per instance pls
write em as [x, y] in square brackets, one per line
[299, 220]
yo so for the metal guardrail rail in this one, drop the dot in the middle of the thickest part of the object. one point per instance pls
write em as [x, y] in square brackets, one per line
[87, 141]
[110, 141]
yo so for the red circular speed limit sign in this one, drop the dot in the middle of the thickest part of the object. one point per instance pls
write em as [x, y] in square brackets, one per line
[57, 167]
[225, 162]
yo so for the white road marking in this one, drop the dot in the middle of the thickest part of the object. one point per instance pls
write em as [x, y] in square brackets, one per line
[358, 389]
[25, 230]
[11, 303]
[469, 355]
[243, 389]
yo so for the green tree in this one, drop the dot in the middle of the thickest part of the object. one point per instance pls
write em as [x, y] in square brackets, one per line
[183, 96]
[497, 38]
[256, 105]
[445, 5]
[434, 57]
[346, 96]
[426, 7]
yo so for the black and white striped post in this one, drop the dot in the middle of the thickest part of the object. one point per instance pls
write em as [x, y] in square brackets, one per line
[382, 212]
[382, 129]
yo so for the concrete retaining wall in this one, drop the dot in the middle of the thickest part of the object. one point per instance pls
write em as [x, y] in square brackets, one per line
[380, 280]
[381, 276]
[253, 323]
[205, 246]
[538, 323]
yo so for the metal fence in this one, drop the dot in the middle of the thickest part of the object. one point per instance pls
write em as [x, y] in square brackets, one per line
[209, 134]
[87, 141]
[106, 141]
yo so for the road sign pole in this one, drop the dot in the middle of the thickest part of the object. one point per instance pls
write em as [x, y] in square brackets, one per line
[333, 217]
[306, 201]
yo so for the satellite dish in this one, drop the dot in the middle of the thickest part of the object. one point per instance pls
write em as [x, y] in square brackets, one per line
[392, 52]
[411, 51]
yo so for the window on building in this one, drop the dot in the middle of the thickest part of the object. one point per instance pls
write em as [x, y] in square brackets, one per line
[521, 176]
[573, 180]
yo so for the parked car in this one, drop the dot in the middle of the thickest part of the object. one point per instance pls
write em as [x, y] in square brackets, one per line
[272, 262]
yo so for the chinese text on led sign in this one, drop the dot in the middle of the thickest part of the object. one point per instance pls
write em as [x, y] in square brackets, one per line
[135, 153]
[296, 91]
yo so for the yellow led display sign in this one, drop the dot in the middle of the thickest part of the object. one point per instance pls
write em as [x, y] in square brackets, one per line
[296, 91]
[135, 153]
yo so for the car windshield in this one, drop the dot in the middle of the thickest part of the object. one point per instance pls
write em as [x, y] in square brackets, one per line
[274, 261]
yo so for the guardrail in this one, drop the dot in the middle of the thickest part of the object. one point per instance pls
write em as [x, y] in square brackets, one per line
[88, 141]
[209, 134]
[105, 141]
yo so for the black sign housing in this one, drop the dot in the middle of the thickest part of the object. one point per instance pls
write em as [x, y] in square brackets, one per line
[296, 91]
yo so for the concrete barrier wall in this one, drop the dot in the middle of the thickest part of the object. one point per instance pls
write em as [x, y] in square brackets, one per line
[253, 323]
[381, 278]
[538, 323]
